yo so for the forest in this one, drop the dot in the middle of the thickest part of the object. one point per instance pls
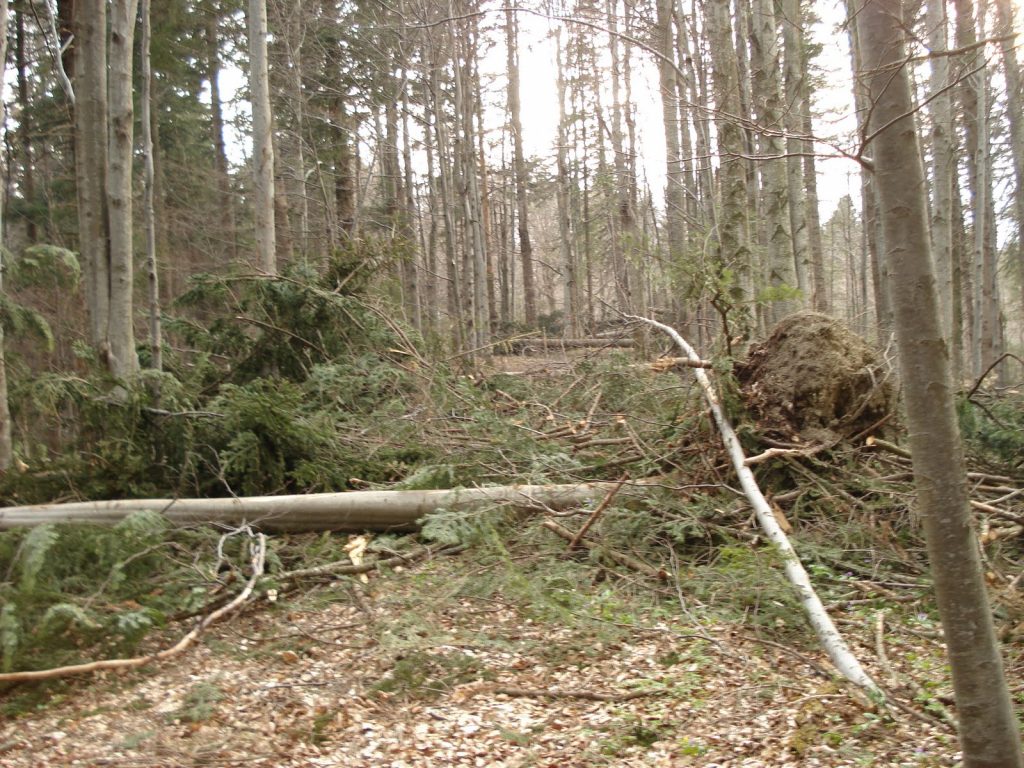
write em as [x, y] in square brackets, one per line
[584, 383]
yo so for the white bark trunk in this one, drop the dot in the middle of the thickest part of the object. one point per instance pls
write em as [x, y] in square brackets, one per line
[831, 640]
[124, 360]
[351, 511]
[262, 139]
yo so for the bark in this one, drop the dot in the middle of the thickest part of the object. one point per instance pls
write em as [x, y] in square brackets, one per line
[263, 144]
[873, 251]
[1014, 105]
[220, 157]
[970, 91]
[90, 130]
[674, 192]
[782, 278]
[564, 184]
[146, 118]
[733, 256]
[944, 162]
[6, 440]
[124, 360]
[795, 111]
[519, 167]
[351, 511]
[28, 191]
[988, 729]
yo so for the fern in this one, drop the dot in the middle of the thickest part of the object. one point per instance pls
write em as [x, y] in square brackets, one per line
[64, 617]
[10, 636]
[34, 549]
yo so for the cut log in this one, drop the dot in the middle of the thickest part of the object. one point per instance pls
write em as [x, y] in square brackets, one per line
[349, 511]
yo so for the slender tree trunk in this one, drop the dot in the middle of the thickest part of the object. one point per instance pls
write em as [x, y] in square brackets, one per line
[733, 271]
[944, 162]
[146, 119]
[874, 250]
[989, 734]
[6, 439]
[519, 166]
[124, 360]
[972, 105]
[25, 124]
[767, 94]
[220, 157]
[1014, 107]
[263, 144]
[564, 184]
[674, 191]
[794, 113]
[90, 83]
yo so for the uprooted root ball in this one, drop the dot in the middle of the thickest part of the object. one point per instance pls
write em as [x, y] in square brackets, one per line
[815, 380]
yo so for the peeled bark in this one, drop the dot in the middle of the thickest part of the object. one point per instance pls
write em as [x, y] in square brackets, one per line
[988, 729]
[351, 511]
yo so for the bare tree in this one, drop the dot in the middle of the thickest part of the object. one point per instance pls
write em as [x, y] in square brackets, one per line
[988, 729]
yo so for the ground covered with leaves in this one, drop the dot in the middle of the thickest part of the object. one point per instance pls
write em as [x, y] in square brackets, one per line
[499, 657]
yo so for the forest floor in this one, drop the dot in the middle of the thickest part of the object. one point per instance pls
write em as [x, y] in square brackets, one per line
[514, 653]
[485, 659]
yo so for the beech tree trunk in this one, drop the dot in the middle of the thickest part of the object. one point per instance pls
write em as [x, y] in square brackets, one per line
[519, 167]
[146, 108]
[90, 83]
[351, 511]
[262, 139]
[988, 729]
[124, 360]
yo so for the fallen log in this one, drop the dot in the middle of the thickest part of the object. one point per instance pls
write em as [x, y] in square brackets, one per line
[520, 345]
[348, 511]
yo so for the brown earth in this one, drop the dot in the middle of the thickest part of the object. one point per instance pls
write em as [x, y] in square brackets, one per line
[814, 380]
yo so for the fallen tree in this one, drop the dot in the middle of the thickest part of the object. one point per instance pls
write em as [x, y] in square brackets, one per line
[831, 640]
[348, 511]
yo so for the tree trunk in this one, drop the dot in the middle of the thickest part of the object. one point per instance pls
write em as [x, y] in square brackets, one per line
[519, 166]
[768, 108]
[733, 275]
[220, 157]
[1014, 105]
[944, 162]
[6, 439]
[351, 511]
[124, 360]
[90, 83]
[146, 118]
[988, 729]
[674, 192]
[28, 191]
[794, 113]
[262, 139]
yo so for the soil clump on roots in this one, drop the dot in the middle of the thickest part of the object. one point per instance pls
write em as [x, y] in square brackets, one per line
[814, 380]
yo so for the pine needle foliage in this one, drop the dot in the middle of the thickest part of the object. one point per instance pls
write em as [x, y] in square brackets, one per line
[70, 592]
